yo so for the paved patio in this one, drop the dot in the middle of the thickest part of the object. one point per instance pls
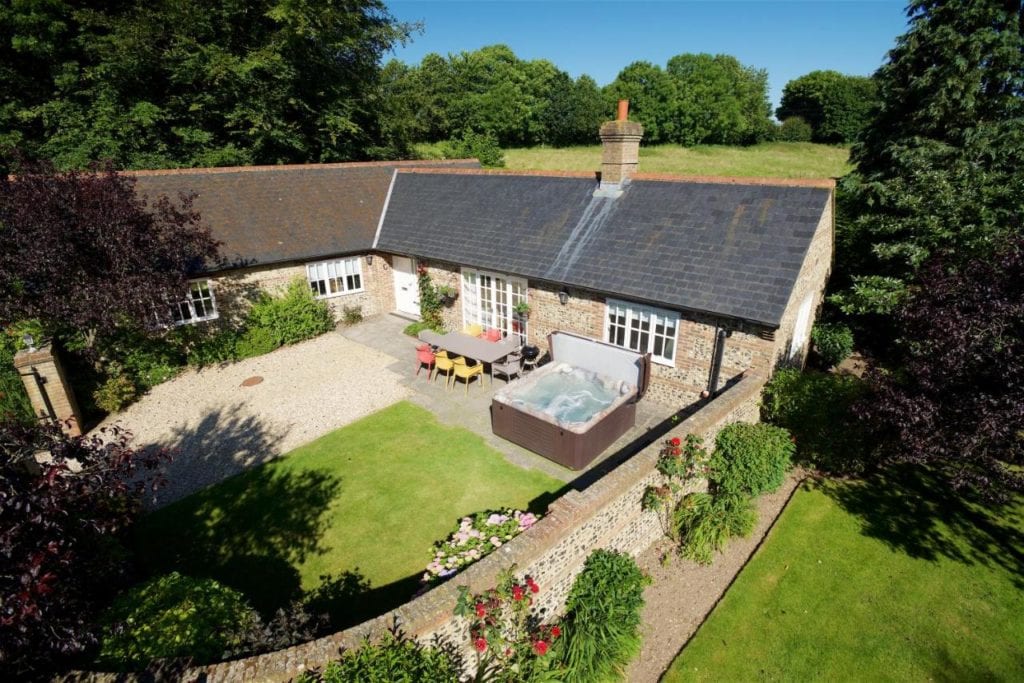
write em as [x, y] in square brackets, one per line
[384, 334]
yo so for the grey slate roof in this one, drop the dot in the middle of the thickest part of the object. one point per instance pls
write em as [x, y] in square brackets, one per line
[273, 214]
[732, 250]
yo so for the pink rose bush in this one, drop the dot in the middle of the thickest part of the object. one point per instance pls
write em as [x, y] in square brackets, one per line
[474, 538]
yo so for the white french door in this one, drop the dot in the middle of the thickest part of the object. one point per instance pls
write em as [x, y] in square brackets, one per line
[488, 300]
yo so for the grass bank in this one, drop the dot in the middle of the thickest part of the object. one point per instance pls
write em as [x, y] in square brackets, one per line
[775, 159]
[872, 581]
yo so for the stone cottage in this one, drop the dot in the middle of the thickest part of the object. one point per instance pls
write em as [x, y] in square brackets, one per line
[711, 276]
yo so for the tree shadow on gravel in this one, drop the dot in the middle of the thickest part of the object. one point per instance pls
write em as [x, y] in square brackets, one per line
[914, 512]
[224, 443]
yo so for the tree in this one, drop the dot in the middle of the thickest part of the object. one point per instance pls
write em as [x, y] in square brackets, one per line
[575, 111]
[957, 403]
[719, 100]
[60, 524]
[836, 106]
[162, 83]
[652, 95]
[938, 167]
[83, 254]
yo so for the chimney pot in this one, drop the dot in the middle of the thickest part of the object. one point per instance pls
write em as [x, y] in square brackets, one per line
[623, 110]
[620, 152]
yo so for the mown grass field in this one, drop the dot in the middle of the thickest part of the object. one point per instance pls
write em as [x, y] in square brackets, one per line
[775, 160]
[351, 516]
[871, 582]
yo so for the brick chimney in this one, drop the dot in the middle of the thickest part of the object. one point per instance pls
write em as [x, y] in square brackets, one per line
[620, 151]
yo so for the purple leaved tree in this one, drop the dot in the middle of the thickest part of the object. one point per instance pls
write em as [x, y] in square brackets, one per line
[956, 404]
[81, 252]
[62, 521]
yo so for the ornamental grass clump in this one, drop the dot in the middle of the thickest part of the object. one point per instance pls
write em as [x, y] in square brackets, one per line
[602, 621]
[474, 538]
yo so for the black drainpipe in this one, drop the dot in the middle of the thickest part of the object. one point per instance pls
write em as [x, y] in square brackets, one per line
[716, 362]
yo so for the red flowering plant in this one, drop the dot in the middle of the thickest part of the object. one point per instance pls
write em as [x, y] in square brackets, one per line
[508, 637]
[679, 462]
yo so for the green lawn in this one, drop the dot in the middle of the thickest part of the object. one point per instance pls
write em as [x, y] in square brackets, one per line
[776, 159]
[863, 583]
[352, 515]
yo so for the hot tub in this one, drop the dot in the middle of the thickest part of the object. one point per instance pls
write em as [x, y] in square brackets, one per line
[572, 409]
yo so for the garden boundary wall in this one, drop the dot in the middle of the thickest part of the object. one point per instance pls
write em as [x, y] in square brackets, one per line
[606, 514]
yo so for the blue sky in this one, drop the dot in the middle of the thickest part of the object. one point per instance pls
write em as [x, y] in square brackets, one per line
[599, 37]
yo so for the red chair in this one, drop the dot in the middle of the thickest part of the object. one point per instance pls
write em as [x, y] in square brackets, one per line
[493, 334]
[424, 356]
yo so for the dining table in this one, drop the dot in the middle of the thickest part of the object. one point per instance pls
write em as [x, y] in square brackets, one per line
[474, 348]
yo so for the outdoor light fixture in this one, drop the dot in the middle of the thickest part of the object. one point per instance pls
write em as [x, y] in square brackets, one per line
[563, 296]
[29, 341]
[369, 259]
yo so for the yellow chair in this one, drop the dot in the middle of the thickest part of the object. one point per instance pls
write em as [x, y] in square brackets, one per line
[473, 330]
[442, 363]
[467, 372]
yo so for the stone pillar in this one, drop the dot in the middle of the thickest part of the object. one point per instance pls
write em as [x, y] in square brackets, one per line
[48, 389]
[620, 149]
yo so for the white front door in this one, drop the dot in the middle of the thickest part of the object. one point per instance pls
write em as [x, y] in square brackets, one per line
[407, 290]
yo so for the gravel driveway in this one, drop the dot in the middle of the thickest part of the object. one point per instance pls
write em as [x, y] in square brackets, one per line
[221, 428]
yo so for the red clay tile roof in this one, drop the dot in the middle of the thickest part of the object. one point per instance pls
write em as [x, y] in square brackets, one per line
[273, 214]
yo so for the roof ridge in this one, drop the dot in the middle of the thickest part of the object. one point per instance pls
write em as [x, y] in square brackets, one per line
[825, 183]
[591, 175]
[212, 170]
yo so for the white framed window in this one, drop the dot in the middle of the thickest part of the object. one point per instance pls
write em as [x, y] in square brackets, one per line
[333, 278]
[643, 329]
[489, 300]
[199, 305]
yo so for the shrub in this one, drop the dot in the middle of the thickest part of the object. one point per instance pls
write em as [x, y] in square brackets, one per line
[795, 129]
[481, 146]
[174, 616]
[475, 538]
[816, 408]
[833, 342]
[14, 402]
[352, 315]
[750, 459]
[209, 347]
[413, 329]
[602, 621]
[395, 658]
[510, 642]
[147, 359]
[704, 522]
[292, 316]
[115, 393]
[254, 341]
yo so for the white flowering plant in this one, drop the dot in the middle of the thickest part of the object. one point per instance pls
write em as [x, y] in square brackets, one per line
[475, 537]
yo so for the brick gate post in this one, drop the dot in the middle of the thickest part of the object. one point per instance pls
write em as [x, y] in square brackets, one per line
[48, 389]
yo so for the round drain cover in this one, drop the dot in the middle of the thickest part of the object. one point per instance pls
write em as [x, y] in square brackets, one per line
[252, 381]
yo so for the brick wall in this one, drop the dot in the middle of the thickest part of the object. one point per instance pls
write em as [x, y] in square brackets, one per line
[608, 514]
[234, 289]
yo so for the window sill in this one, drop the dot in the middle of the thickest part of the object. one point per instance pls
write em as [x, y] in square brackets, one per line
[193, 321]
[335, 296]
